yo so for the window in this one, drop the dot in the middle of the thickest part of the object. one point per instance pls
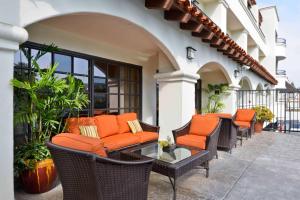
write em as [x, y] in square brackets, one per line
[113, 87]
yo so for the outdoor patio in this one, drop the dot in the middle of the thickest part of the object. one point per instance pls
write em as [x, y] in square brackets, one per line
[265, 167]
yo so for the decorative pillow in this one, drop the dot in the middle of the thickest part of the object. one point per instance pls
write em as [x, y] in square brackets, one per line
[135, 126]
[90, 131]
[107, 125]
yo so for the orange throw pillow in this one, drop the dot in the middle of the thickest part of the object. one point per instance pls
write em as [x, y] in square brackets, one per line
[73, 124]
[245, 115]
[80, 142]
[203, 125]
[106, 125]
[123, 119]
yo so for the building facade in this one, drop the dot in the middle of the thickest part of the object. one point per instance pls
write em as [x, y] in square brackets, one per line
[153, 57]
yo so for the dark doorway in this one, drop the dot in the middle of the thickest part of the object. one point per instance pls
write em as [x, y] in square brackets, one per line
[198, 96]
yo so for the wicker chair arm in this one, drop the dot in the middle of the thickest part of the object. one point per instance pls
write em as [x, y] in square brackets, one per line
[148, 127]
[182, 130]
[212, 139]
[123, 162]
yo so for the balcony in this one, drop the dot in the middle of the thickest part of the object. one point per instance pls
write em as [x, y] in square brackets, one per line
[281, 48]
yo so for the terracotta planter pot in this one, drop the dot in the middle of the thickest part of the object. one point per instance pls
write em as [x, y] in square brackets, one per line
[41, 179]
[258, 127]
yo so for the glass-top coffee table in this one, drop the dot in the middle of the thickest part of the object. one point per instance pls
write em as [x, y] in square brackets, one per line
[173, 163]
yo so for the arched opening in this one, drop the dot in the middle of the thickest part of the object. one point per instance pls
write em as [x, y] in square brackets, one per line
[211, 74]
[246, 97]
[259, 95]
[115, 58]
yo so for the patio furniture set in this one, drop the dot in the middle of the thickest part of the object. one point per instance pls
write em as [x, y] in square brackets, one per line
[116, 163]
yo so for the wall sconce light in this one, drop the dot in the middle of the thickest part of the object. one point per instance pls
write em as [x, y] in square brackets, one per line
[236, 73]
[239, 70]
[190, 53]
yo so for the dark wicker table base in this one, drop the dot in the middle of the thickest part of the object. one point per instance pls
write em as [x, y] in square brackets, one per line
[173, 171]
[243, 132]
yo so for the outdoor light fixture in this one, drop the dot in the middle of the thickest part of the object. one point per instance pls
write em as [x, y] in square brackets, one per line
[239, 70]
[190, 53]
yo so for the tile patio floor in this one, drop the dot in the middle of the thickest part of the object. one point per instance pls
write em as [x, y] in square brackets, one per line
[265, 167]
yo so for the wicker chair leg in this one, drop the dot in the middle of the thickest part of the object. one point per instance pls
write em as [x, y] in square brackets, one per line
[207, 168]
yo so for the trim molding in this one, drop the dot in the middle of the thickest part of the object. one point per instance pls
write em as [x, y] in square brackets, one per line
[177, 76]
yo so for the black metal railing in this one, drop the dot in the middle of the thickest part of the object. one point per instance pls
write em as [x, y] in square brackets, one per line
[285, 106]
[281, 41]
[281, 72]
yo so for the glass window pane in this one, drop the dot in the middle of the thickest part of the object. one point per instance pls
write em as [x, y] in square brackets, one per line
[99, 69]
[85, 82]
[124, 101]
[100, 101]
[64, 63]
[124, 73]
[134, 101]
[20, 60]
[100, 85]
[124, 111]
[81, 66]
[113, 71]
[124, 87]
[44, 61]
[113, 101]
[99, 112]
[133, 88]
[61, 76]
[133, 74]
[113, 89]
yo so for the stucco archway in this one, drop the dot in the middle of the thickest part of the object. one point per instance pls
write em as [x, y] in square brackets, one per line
[245, 83]
[210, 73]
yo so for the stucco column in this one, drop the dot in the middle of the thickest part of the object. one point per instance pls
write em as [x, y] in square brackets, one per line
[176, 100]
[241, 38]
[10, 38]
[218, 13]
[231, 99]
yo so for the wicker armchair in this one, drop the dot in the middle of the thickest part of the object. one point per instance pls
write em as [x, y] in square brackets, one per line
[88, 176]
[211, 140]
[251, 121]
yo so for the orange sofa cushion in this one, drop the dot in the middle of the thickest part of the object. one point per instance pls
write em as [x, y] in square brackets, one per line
[123, 119]
[80, 142]
[147, 136]
[192, 141]
[203, 125]
[119, 141]
[73, 124]
[245, 115]
[107, 125]
[243, 124]
[223, 115]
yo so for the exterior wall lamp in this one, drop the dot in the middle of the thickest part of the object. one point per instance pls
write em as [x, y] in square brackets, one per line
[239, 70]
[190, 53]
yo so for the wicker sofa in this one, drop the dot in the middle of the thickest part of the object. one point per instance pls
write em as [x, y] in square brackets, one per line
[245, 118]
[228, 133]
[113, 130]
[201, 132]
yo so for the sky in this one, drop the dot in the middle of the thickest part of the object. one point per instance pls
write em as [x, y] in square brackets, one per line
[289, 28]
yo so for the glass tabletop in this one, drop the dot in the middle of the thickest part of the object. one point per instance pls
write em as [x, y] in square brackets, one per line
[172, 156]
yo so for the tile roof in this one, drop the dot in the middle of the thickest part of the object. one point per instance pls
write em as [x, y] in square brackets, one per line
[193, 19]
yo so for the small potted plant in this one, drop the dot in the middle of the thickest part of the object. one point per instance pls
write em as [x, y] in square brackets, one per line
[167, 145]
[263, 114]
[48, 99]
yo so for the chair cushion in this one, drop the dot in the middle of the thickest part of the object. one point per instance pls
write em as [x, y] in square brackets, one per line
[243, 124]
[203, 125]
[107, 125]
[223, 115]
[192, 141]
[80, 142]
[120, 141]
[147, 136]
[123, 119]
[245, 115]
[73, 124]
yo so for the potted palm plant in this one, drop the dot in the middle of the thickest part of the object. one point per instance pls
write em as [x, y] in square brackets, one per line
[216, 92]
[263, 114]
[48, 100]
